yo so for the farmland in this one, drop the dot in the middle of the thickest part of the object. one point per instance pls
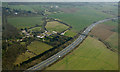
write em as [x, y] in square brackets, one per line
[35, 29]
[32, 32]
[90, 55]
[102, 31]
[35, 48]
[70, 33]
[81, 18]
[38, 47]
[113, 40]
[23, 57]
[108, 32]
[56, 26]
[24, 22]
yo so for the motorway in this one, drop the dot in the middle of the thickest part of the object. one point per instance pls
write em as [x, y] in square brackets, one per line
[66, 50]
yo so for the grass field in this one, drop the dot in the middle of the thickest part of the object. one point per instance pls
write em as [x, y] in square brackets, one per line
[38, 47]
[35, 29]
[35, 48]
[90, 55]
[70, 33]
[32, 8]
[83, 17]
[23, 57]
[107, 31]
[110, 8]
[56, 26]
[113, 40]
[24, 22]
[112, 23]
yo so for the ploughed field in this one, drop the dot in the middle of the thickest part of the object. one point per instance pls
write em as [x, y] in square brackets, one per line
[90, 55]
[107, 32]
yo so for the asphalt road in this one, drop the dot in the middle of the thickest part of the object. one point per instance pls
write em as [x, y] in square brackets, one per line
[66, 50]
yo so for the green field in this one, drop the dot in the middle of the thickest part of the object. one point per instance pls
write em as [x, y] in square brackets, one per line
[81, 18]
[56, 26]
[38, 47]
[90, 55]
[25, 22]
[32, 8]
[35, 48]
[113, 41]
[35, 29]
[112, 23]
[70, 33]
[23, 57]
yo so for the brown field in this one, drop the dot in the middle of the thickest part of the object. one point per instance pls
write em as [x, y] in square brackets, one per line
[69, 10]
[102, 31]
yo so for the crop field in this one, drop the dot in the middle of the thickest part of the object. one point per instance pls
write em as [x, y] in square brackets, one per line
[23, 57]
[102, 31]
[24, 22]
[90, 55]
[107, 31]
[56, 26]
[81, 18]
[38, 47]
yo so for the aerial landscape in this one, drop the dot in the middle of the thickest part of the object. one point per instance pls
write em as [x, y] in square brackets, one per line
[60, 36]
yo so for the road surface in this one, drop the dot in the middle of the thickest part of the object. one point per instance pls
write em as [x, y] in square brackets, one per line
[66, 50]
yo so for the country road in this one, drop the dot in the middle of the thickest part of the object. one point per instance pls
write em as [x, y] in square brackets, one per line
[66, 50]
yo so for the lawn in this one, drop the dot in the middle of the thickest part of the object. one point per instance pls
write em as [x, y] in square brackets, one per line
[25, 22]
[38, 47]
[56, 26]
[90, 55]
[83, 17]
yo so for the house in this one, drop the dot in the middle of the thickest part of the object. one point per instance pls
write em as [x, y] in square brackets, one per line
[16, 13]
[54, 32]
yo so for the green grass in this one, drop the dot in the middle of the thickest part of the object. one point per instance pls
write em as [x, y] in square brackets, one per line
[113, 41]
[56, 26]
[38, 47]
[70, 33]
[90, 55]
[24, 22]
[35, 47]
[35, 29]
[82, 18]
[21, 7]
[108, 7]
[23, 57]
[111, 23]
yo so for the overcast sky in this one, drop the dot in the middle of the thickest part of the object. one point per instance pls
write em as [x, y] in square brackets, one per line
[60, 0]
